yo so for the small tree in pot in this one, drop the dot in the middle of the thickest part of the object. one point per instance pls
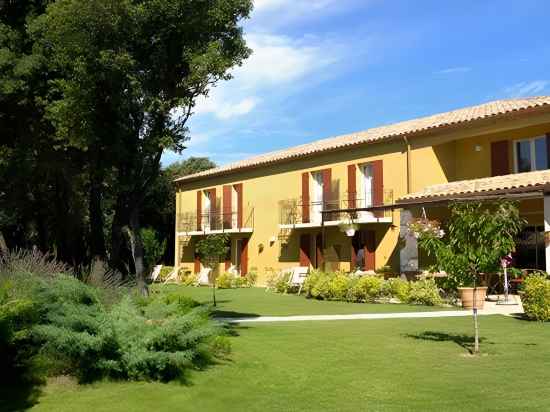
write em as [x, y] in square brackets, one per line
[211, 250]
[478, 236]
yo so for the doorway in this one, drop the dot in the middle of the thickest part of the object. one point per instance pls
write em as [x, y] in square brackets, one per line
[366, 240]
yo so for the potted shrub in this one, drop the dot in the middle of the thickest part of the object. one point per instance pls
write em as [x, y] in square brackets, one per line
[478, 237]
[349, 228]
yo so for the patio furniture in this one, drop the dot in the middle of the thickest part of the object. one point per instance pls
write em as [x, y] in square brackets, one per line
[298, 277]
[156, 272]
[204, 277]
[172, 276]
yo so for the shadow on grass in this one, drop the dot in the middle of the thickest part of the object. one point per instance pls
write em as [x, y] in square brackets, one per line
[233, 314]
[464, 341]
[19, 396]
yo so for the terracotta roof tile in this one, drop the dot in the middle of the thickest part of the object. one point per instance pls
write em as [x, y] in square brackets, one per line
[518, 182]
[409, 127]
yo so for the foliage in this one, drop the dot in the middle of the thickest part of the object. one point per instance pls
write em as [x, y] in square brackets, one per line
[86, 118]
[59, 325]
[351, 288]
[153, 248]
[424, 292]
[536, 297]
[365, 289]
[477, 237]
[212, 249]
[396, 288]
[226, 281]
[34, 262]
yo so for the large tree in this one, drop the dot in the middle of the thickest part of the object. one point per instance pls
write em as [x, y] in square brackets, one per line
[121, 81]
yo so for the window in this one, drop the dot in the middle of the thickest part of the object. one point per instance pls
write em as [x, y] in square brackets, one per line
[317, 192]
[531, 154]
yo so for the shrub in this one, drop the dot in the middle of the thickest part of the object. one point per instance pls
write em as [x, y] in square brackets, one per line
[365, 289]
[251, 277]
[282, 282]
[320, 285]
[338, 287]
[396, 288]
[424, 292]
[226, 281]
[536, 297]
[60, 325]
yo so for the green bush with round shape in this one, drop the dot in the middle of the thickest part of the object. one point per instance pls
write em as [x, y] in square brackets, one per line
[338, 287]
[365, 289]
[536, 297]
[424, 292]
[396, 288]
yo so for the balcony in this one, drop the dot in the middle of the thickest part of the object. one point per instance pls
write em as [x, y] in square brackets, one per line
[212, 222]
[295, 214]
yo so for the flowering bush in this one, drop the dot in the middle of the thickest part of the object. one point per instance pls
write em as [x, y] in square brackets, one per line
[424, 227]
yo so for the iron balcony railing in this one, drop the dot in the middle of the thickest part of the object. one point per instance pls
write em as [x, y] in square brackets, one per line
[213, 220]
[294, 211]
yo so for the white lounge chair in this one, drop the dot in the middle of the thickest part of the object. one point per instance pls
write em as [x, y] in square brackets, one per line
[156, 272]
[204, 277]
[298, 277]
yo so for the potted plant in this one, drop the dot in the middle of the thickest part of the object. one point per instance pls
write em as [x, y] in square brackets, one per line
[478, 237]
[349, 228]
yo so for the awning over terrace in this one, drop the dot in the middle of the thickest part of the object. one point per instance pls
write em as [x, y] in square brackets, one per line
[518, 185]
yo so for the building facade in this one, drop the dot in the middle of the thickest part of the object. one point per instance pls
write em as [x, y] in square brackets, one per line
[288, 208]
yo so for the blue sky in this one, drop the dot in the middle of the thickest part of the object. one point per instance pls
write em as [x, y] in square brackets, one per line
[321, 68]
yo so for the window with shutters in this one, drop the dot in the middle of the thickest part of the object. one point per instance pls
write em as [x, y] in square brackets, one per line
[531, 154]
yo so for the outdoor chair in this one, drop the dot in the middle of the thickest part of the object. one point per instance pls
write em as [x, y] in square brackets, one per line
[156, 272]
[298, 277]
[204, 277]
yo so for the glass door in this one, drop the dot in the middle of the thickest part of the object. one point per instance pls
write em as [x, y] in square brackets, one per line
[365, 197]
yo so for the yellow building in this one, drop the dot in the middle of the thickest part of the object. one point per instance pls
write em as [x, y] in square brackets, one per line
[291, 207]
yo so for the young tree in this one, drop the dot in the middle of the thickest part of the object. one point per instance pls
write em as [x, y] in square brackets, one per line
[211, 250]
[478, 236]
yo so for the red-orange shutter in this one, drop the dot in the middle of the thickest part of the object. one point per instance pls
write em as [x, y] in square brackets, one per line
[239, 190]
[352, 190]
[227, 218]
[500, 158]
[197, 267]
[244, 257]
[305, 250]
[378, 186]
[370, 249]
[305, 197]
[199, 210]
[213, 211]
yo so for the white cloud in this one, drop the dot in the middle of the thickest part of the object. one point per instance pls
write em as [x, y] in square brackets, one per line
[459, 69]
[277, 62]
[523, 89]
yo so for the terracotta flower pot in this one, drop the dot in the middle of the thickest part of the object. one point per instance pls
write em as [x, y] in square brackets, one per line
[467, 297]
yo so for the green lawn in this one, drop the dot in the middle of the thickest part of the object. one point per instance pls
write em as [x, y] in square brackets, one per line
[256, 302]
[392, 364]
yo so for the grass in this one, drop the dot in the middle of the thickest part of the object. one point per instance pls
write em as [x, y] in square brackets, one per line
[250, 302]
[380, 365]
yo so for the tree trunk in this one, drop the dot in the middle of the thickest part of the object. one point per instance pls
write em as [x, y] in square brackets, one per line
[476, 327]
[3, 245]
[116, 260]
[138, 251]
[97, 239]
